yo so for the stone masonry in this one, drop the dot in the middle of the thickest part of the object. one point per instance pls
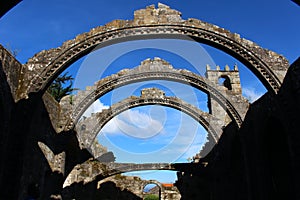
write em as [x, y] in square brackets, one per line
[234, 104]
[231, 86]
[256, 157]
[88, 128]
[41, 69]
[136, 185]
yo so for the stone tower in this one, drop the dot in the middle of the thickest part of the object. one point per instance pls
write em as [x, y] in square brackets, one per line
[229, 84]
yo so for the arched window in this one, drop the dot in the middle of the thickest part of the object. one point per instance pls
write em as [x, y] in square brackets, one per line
[225, 81]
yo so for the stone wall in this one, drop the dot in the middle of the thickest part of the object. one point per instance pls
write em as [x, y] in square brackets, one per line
[234, 104]
[261, 159]
[136, 185]
[88, 128]
[44, 66]
[231, 87]
[108, 190]
[23, 165]
[12, 69]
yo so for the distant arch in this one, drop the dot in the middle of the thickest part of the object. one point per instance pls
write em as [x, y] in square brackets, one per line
[158, 184]
[97, 121]
[163, 71]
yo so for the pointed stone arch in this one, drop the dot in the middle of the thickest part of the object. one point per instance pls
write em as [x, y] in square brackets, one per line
[93, 124]
[236, 106]
[161, 22]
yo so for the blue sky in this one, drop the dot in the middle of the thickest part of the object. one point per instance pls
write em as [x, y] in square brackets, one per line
[36, 25]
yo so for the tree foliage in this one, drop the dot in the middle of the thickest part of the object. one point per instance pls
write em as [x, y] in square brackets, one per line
[152, 197]
[61, 86]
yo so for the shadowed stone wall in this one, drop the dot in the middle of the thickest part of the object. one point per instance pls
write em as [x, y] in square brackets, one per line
[22, 125]
[259, 161]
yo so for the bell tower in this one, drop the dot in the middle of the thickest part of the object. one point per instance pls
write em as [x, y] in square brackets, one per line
[228, 83]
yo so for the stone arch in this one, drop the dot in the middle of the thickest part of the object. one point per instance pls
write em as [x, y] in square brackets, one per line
[236, 106]
[96, 122]
[153, 182]
[161, 22]
[158, 184]
[92, 170]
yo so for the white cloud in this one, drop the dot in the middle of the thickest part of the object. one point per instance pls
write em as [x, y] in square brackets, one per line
[251, 94]
[188, 141]
[134, 123]
[97, 106]
[182, 137]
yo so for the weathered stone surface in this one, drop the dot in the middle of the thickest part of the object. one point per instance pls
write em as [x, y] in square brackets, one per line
[89, 191]
[231, 86]
[44, 66]
[260, 160]
[151, 15]
[88, 128]
[85, 172]
[152, 93]
[234, 104]
[131, 183]
[13, 70]
[56, 162]
[91, 169]
[136, 186]
[54, 110]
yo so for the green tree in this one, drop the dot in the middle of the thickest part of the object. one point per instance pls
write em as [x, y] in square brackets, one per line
[152, 197]
[61, 86]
